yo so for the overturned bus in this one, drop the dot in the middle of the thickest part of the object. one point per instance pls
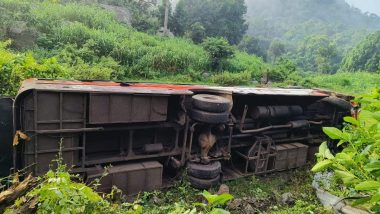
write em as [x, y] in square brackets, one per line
[145, 134]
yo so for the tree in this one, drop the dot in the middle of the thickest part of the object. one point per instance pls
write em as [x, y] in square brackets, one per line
[220, 18]
[281, 70]
[255, 45]
[365, 56]
[319, 54]
[276, 49]
[219, 49]
[197, 32]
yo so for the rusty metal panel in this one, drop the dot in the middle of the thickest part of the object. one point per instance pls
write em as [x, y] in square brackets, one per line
[28, 113]
[72, 106]
[6, 130]
[121, 108]
[141, 109]
[301, 153]
[116, 108]
[290, 156]
[47, 150]
[48, 106]
[281, 158]
[130, 178]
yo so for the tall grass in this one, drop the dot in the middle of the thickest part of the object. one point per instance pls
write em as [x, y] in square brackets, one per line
[351, 83]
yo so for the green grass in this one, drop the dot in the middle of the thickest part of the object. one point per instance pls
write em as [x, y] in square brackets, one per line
[351, 83]
[269, 189]
[87, 37]
[266, 190]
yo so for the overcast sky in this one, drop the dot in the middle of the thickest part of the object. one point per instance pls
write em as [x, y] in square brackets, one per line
[372, 6]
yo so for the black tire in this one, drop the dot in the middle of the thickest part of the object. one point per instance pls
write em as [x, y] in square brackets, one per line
[211, 103]
[209, 171]
[203, 183]
[208, 117]
[338, 102]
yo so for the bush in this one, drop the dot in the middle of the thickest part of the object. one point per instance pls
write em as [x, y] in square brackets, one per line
[281, 70]
[357, 166]
[231, 79]
[244, 62]
[57, 192]
[14, 68]
[352, 83]
[219, 50]
[84, 41]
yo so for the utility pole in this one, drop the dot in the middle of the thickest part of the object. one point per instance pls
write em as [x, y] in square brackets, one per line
[166, 19]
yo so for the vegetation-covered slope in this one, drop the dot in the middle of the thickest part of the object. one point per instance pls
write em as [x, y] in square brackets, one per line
[88, 39]
[294, 22]
[365, 56]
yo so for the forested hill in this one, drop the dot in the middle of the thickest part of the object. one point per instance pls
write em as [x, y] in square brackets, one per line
[315, 34]
[293, 20]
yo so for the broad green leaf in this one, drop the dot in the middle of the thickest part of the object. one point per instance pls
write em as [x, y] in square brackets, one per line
[340, 142]
[219, 211]
[333, 133]
[345, 159]
[216, 200]
[324, 151]
[320, 166]
[361, 201]
[373, 166]
[376, 115]
[368, 185]
[346, 177]
[376, 208]
[367, 118]
[375, 198]
[351, 120]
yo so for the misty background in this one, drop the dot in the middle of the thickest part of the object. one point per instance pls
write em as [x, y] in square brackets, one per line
[371, 6]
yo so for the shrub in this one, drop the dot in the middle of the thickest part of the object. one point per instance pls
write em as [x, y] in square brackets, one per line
[244, 62]
[219, 50]
[230, 79]
[281, 70]
[357, 166]
[57, 192]
[343, 81]
[14, 68]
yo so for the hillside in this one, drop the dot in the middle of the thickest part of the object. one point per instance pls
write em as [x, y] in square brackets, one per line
[294, 22]
[90, 40]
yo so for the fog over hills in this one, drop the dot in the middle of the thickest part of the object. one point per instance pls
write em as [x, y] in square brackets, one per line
[294, 20]
[371, 6]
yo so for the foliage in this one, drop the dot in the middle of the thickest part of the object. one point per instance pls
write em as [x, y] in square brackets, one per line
[293, 21]
[255, 45]
[84, 41]
[351, 83]
[357, 166]
[276, 50]
[282, 70]
[365, 56]
[319, 54]
[218, 49]
[197, 32]
[220, 18]
[230, 79]
[14, 68]
[267, 192]
[58, 193]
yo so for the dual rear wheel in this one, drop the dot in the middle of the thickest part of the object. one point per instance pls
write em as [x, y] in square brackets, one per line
[204, 176]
